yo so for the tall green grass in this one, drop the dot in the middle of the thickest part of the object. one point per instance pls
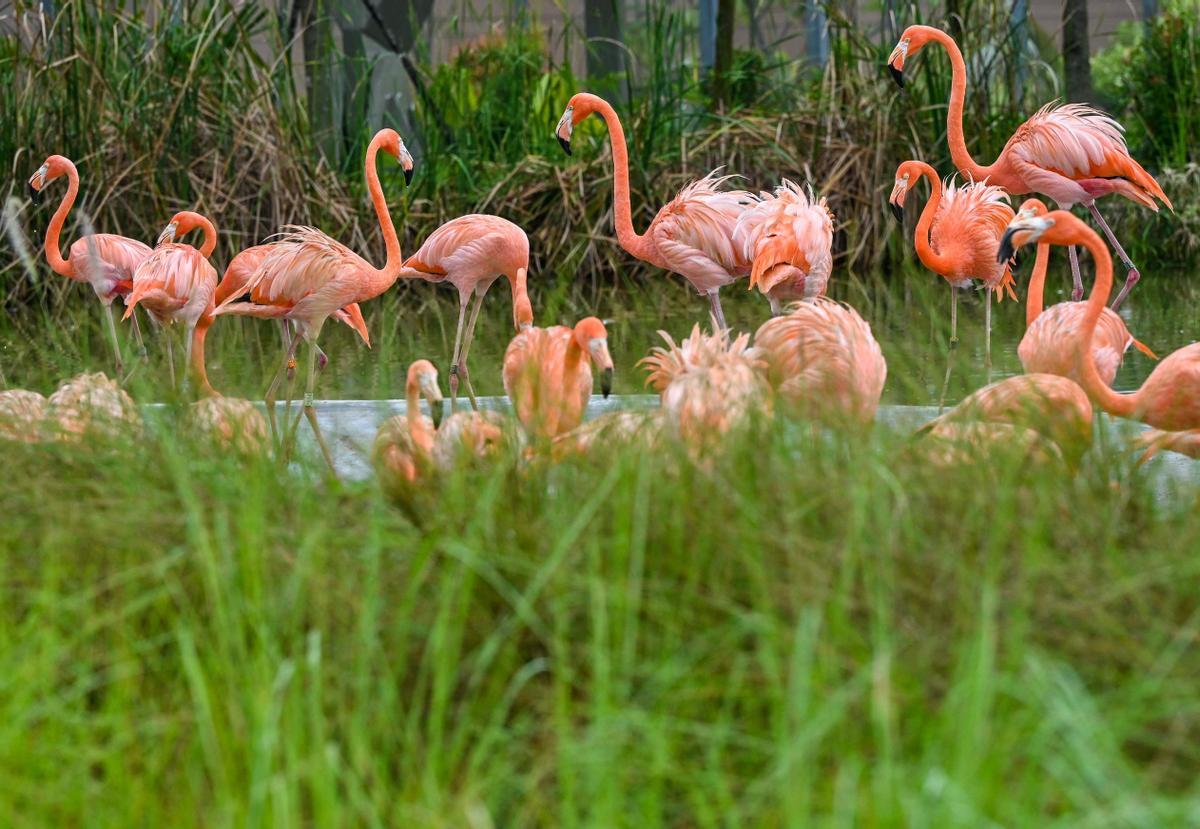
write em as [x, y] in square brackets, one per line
[801, 631]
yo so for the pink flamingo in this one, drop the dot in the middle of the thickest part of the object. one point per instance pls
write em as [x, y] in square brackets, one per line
[103, 260]
[470, 252]
[957, 236]
[823, 362]
[230, 424]
[21, 415]
[708, 385]
[1153, 441]
[403, 451]
[1053, 406]
[177, 283]
[312, 275]
[1048, 346]
[548, 374]
[1169, 399]
[788, 238]
[692, 235]
[1072, 153]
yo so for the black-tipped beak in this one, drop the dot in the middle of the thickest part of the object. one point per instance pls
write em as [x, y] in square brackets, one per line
[606, 382]
[408, 174]
[35, 195]
[435, 412]
[565, 143]
[897, 211]
[1006, 250]
[897, 75]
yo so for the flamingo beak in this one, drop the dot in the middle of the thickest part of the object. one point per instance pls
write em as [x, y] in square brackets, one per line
[35, 195]
[406, 164]
[564, 130]
[895, 62]
[606, 381]
[436, 407]
[897, 75]
[168, 234]
[1007, 248]
[896, 200]
[897, 211]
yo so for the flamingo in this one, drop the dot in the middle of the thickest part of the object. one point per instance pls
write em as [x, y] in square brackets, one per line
[21, 415]
[403, 451]
[239, 273]
[957, 236]
[951, 444]
[230, 424]
[1154, 441]
[1071, 153]
[1053, 406]
[177, 283]
[708, 384]
[822, 361]
[692, 235]
[788, 238]
[312, 275]
[1169, 399]
[470, 252]
[91, 405]
[623, 427]
[548, 374]
[103, 260]
[1050, 335]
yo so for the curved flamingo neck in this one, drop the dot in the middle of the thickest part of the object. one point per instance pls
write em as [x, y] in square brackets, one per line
[422, 435]
[925, 252]
[53, 253]
[628, 238]
[210, 237]
[954, 115]
[1121, 405]
[391, 268]
[1034, 303]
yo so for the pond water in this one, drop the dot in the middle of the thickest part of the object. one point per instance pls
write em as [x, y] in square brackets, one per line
[908, 311]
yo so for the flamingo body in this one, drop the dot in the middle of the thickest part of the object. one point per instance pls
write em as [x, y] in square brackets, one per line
[471, 252]
[823, 361]
[708, 385]
[106, 262]
[229, 423]
[21, 415]
[176, 283]
[92, 404]
[1048, 346]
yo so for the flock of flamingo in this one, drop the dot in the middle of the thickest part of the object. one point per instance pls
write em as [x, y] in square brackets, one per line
[814, 358]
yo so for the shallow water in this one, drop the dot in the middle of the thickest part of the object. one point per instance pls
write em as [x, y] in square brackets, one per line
[909, 313]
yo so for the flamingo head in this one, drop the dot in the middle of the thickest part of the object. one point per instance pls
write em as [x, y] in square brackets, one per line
[53, 167]
[906, 173]
[910, 43]
[522, 307]
[1025, 229]
[393, 145]
[579, 107]
[591, 336]
[423, 378]
[181, 224]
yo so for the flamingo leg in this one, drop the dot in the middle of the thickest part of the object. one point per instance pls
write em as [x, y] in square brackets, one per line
[111, 324]
[987, 335]
[714, 310]
[269, 398]
[953, 318]
[322, 361]
[458, 336]
[1133, 275]
[137, 335]
[1077, 291]
[466, 350]
[285, 331]
[166, 332]
[309, 412]
[187, 357]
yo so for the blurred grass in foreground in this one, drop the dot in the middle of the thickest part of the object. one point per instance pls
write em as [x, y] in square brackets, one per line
[803, 631]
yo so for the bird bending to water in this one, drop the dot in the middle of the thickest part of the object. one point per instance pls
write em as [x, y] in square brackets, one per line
[103, 260]
[471, 252]
[1071, 153]
[692, 235]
